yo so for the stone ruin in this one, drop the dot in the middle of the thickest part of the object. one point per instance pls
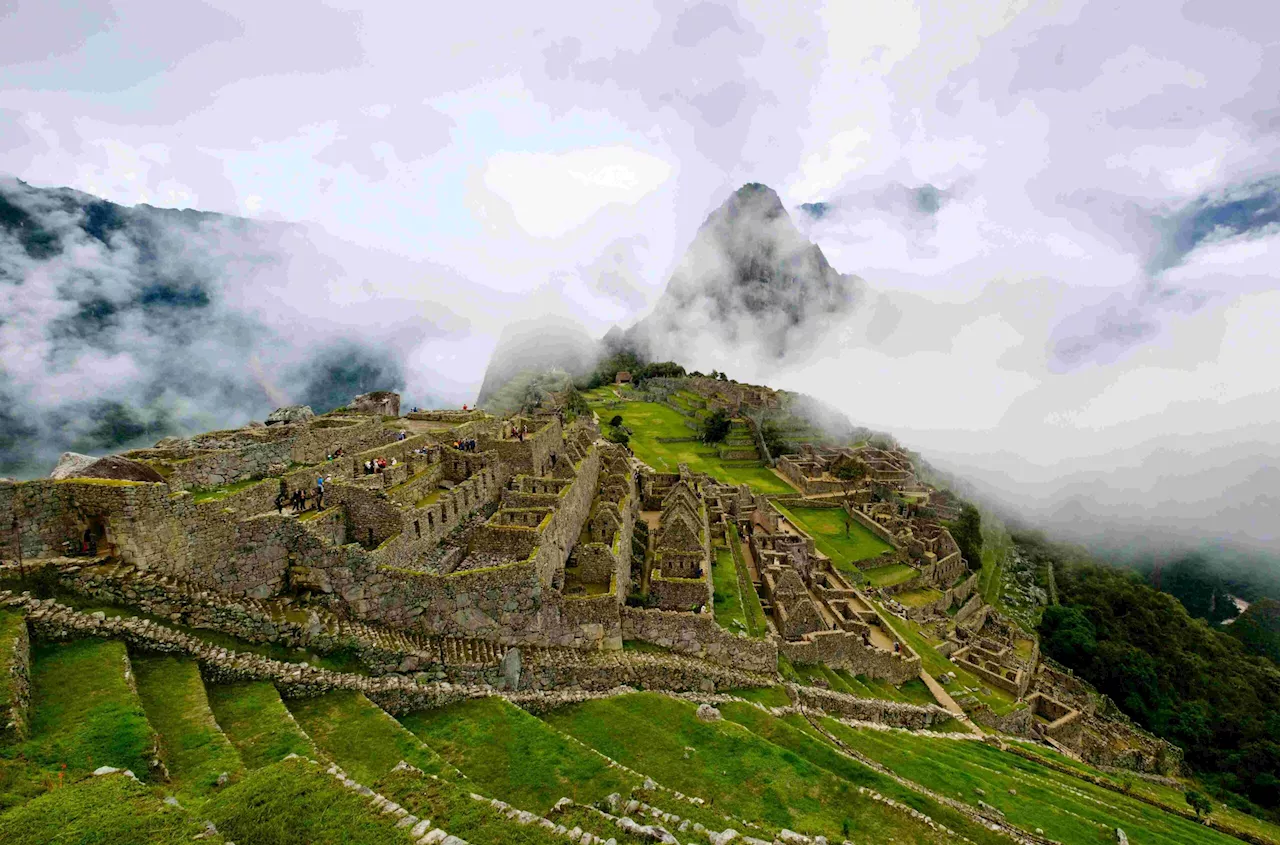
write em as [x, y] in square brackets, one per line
[380, 402]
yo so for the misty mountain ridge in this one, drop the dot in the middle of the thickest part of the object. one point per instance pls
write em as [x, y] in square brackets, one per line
[749, 277]
[120, 325]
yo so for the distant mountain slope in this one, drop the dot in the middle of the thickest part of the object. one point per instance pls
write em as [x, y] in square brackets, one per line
[120, 325]
[749, 277]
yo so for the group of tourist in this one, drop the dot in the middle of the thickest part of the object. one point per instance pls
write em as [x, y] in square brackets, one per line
[302, 500]
[467, 445]
[376, 465]
[511, 431]
[337, 453]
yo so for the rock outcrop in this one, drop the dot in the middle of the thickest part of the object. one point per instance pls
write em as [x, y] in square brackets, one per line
[113, 467]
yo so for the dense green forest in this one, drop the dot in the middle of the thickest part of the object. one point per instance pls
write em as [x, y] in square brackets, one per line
[1176, 675]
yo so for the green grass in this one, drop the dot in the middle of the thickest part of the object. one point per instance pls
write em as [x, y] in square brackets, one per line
[84, 715]
[107, 810]
[214, 493]
[194, 749]
[798, 736]
[1066, 808]
[740, 773]
[887, 576]
[588, 819]
[359, 736]
[752, 608]
[768, 696]
[515, 756]
[727, 599]
[451, 808]
[258, 724]
[11, 626]
[649, 420]
[295, 802]
[827, 527]
[918, 598]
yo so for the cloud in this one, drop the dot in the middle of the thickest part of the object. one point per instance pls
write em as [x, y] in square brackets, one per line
[552, 194]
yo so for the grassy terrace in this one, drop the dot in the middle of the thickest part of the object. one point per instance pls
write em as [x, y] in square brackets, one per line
[214, 493]
[359, 736]
[114, 809]
[649, 421]
[195, 750]
[918, 598]
[846, 543]
[727, 600]
[1030, 795]
[296, 803]
[258, 724]
[516, 757]
[887, 576]
[84, 714]
[757, 626]
[762, 769]
[840, 680]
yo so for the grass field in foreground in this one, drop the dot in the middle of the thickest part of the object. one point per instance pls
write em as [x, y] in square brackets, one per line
[845, 542]
[649, 420]
[84, 714]
[114, 809]
[738, 772]
[1066, 808]
[514, 756]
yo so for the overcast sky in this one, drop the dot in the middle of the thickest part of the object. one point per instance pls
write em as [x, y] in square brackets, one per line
[1066, 213]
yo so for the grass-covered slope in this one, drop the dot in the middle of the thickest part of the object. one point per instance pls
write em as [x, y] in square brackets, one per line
[108, 810]
[192, 745]
[84, 714]
[254, 718]
[516, 757]
[740, 773]
[1030, 795]
[295, 802]
[451, 808]
[359, 736]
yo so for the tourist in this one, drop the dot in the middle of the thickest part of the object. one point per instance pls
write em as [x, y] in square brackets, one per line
[280, 500]
[320, 495]
[400, 435]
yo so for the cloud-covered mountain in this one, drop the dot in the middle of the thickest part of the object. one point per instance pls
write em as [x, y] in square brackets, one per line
[750, 279]
[120, 325]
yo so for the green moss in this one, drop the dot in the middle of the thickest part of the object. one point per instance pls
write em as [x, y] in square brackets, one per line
[254, 718]
[193, 747]
[295, 802]
[514, 756]
[359, 736]
[107, 810]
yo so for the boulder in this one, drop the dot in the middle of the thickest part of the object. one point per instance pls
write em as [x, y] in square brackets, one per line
[114, 467]
[707, 713]
[380, 402]
[290, 414]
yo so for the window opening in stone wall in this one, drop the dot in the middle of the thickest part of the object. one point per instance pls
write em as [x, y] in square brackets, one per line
[417, 529]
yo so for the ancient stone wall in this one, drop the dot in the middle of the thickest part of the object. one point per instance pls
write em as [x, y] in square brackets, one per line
[684, 594]
[896, 714]
[845, 650]
[697, 634]
[873, 526]
[15, 683]
[590, 622]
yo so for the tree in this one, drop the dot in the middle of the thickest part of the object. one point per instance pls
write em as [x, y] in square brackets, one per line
[1067, 635]
[850, 471]
[967, 532]
[1199, 802]
[715, 428]
[616, 421]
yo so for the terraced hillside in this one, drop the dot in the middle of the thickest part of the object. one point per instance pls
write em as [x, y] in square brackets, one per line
[225, 760]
